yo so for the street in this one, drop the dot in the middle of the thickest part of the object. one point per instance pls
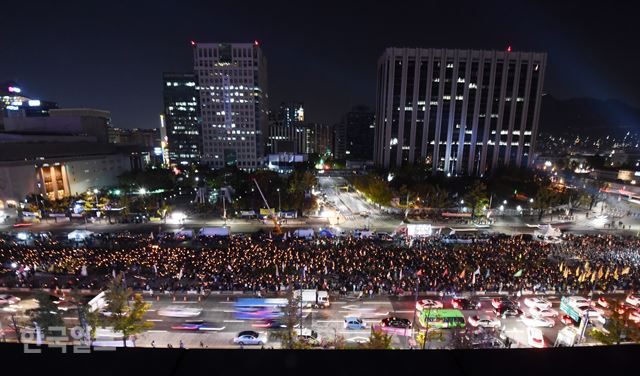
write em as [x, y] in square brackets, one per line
[328, 322]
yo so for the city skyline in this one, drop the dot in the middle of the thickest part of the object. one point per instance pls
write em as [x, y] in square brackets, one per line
[324, 60]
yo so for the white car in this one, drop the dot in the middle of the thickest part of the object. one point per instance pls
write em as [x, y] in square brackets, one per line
[428, 304]
[180, 312]
[578, 300]
[537, 322]
[633, 299]
[535, 338]
[484, 322]
[592, 312]
[543, 312]
[9, 299]
[249, 337]
[537, 302]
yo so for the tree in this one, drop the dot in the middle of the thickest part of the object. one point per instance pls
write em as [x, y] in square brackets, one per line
[125, 318]
[618, 329]
[477, 198]
[46, 315]
[379, 340]
[291, 311]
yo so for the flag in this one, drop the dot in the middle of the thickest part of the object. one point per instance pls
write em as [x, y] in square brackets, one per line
[578, 270]
[566, 273]
[400, 273]
[518, 273]
[615, 274]
[446, 272]
[83, 271]
[114, 273]
[606, 275]
[487, 274]
[419, 273]
[477, 271]
[561, 265]
[586, 266]
[180, 274]
[593, 277]
[473, 279]
[600, 273]
[625, 270]
[277, 274]
[155, 269]
[464, 272]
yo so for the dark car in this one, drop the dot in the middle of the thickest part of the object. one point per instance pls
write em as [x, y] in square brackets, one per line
[396, 322]
[507, 311]
[465, 304]
[270, 324]
[504, 301]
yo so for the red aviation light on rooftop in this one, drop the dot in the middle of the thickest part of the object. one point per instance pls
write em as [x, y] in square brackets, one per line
[193, 43]
[256, 43]
[509, 48]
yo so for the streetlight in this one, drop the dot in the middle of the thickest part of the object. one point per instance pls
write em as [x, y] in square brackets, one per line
[531, 200]
[142, 191]
[279, 209]
[96, 191]
[504, 202]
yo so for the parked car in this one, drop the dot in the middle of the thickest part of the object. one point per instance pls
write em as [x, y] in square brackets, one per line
[535, 338]
[465, 304]
[535, 322]
[484, 322]
[354, 323]
[250, 337]
[544, 312]
[504, 301]
[537, 302]
[428, 304]
[505, 312]
[9, 299]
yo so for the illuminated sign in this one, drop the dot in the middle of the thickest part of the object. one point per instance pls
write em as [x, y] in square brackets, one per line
[13, 89]
[419, 230]
[34, 103]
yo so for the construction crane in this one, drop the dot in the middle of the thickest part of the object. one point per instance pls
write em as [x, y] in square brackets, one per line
[276, 230]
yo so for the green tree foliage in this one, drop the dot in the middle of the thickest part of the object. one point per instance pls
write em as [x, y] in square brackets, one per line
[379, 340]
[618, 329]
[291, 315]
[477, 197]
[46, 315]
[374, 188]
[125, 318]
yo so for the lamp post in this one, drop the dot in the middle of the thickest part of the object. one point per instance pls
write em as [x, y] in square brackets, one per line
[279, 206]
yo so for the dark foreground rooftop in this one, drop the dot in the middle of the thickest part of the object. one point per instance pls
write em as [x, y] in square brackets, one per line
[159, 362]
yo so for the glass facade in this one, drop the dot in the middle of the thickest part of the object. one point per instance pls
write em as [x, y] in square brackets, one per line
[182, 119]
[457, 111]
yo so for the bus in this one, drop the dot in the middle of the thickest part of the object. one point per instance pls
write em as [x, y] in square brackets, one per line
[441, 318]
[259, 309]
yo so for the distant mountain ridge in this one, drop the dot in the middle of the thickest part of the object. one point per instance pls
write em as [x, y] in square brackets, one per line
[580, 115]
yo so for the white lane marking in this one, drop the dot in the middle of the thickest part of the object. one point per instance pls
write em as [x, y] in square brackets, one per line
[403, 311]
[225, 302]
[151, 310]
[328, 321]
[488, 311]
[356, 332]
[339, 303]
[157, 331]
[183, 302]
[220, 310]
[155, 320]
[380, 302]
[232, 321]
[69, 318]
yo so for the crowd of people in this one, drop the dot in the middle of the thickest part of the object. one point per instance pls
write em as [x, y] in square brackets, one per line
[341, 265]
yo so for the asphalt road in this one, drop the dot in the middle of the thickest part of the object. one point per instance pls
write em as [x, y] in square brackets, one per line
[327, 322]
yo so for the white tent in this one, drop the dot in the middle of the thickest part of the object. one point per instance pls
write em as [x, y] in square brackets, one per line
[78, 235]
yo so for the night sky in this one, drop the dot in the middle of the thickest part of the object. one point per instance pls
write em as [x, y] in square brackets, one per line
[111, 56]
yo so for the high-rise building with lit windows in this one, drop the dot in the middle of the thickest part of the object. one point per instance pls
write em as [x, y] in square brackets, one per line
[181, 120]
[458, 111]
[232, 82]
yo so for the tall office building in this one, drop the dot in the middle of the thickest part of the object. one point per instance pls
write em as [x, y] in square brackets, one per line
[356, 128]
[292, 114]
[232, 81]
[181, 118]
[458, 111]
